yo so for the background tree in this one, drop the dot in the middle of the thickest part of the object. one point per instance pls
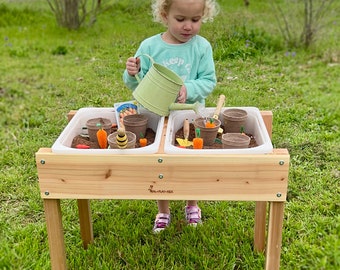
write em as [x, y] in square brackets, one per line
[74, 13]
[300, 21]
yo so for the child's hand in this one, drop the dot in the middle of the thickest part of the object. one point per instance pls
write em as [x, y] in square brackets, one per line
[133, 66]
[182, 95]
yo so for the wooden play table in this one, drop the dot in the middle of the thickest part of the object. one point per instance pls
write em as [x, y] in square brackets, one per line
[262, 178]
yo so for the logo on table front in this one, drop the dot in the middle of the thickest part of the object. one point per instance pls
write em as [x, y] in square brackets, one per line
[159, 190]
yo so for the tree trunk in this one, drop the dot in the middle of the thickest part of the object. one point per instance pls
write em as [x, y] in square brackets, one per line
[71, 15]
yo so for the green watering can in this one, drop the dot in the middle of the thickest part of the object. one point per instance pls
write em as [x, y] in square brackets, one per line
[158, 91]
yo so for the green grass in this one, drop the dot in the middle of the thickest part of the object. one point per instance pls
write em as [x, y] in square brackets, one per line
[46, 71]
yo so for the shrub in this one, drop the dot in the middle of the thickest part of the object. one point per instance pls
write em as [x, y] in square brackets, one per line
[73, 13]
[301, 21]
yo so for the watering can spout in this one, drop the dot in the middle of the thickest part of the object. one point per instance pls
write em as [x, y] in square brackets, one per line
[197, 107]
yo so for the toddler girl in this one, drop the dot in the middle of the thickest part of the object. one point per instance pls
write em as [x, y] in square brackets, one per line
[188, 54]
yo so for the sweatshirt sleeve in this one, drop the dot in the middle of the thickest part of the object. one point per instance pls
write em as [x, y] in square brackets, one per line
[130, 81]
[199, 88]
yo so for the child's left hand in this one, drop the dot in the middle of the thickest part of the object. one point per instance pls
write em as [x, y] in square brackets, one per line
[182, 95]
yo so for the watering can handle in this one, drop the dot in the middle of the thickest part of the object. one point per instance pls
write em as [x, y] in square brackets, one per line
[151, 59]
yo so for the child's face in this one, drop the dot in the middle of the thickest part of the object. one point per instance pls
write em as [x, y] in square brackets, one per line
[184, 20]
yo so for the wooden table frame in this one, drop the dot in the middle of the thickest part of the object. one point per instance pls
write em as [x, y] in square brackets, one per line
[262, 178]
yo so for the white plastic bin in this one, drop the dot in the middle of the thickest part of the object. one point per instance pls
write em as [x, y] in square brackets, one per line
[254, 125]
[63, 144]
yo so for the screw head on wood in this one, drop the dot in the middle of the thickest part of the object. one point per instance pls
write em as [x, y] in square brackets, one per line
[281, 162]
[42, 161]
[47, 193]
[279, 194]
[160, 160]
[160, 176]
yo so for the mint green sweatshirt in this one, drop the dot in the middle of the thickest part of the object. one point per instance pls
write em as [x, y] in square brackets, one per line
[192, 61]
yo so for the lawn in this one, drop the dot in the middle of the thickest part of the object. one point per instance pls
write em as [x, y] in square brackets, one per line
[46, 71]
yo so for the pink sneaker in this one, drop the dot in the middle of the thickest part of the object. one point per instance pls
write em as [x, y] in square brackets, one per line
[161, 222]
[193, 215]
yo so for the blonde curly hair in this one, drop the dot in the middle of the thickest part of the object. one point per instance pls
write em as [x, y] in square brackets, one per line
[159, 7]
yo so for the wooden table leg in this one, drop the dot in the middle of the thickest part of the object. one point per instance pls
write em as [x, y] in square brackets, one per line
[55, 233]
[274, 240]
[85, 221]
[267, 117]
[260, 226]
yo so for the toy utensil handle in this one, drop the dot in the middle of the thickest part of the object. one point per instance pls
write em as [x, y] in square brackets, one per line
[151, 59]
[220, 103]
[186, 129]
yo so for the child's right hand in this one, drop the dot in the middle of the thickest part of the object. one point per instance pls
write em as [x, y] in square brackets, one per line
[133, 66]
